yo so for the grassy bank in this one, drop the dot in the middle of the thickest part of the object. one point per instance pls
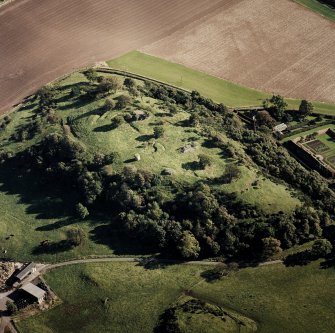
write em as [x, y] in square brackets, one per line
[219, 90]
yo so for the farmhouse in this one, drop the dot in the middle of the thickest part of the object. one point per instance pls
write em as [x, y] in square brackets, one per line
[27, 270]
[34, 293]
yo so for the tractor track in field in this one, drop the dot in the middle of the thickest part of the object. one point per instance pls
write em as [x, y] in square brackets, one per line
[42, 40]
[273, 46]
[291, 54]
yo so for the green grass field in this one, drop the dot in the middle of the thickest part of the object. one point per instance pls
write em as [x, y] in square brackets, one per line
[276, 298]
[318, 7]
[219, 90]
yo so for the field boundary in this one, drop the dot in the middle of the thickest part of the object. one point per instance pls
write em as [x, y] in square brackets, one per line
[111, 70]
[318, 8]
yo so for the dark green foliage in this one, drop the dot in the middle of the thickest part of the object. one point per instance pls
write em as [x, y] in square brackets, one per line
[159, 132]
[108, 105]
[168, 321]
[75, 237]
[11, 307]
[276, 105]
[232, 172]
[305, 108]
[122, 102]
[204, 161]
[188, 246]
[107, 85]
[271, 246]
[264, 119]
[129, 83]
[220, 271]
[91, 75]
[103, 87]
[46, 96]
[117, 121]
[81, 211]
[321, 248]
[173, 109]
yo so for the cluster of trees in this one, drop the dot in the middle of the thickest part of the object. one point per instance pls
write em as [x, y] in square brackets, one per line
[170, 323]
[44, 115]
[328, 2]
[181, 219]
[5, 121]
[275, 109]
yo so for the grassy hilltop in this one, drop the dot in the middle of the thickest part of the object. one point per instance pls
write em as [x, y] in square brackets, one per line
[34, 211]
[105, 164]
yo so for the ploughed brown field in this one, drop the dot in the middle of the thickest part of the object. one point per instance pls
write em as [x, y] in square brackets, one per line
[271, 45]
[277, 46]
[41, 40]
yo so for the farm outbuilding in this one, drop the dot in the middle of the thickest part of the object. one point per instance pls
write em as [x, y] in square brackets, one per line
[35, 293]
[280, 128]
[27, 270]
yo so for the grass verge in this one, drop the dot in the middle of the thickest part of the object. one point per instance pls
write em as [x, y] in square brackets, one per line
[319, 7]
[219, 90]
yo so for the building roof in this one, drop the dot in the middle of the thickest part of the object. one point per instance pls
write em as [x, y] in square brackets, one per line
[280, 128]
[25, 271]
[34, 290]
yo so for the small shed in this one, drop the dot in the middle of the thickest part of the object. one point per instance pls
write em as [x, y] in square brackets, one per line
[28, 269]
[280, 128]
[35, 293]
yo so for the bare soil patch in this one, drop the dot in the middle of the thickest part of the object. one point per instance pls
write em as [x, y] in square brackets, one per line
[44, 39]
[275, 46]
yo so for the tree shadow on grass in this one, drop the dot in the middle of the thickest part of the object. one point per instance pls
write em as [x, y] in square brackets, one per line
[57, 225]
[28, 106]
[193, 166]
[298, 259]
[328, 263]
[209, 144]
[117, 240]
[105, 128]
[53, 248]
[54, 201]
[183, 123]
[155, 262]
[145, 137]
[44, 200]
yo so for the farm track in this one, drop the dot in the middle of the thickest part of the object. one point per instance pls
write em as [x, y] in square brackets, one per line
[273, 46]
[136, 259]
[42, 40]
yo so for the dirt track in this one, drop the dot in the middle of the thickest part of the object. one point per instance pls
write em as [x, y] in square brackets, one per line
[276, 46]
[41, 40]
